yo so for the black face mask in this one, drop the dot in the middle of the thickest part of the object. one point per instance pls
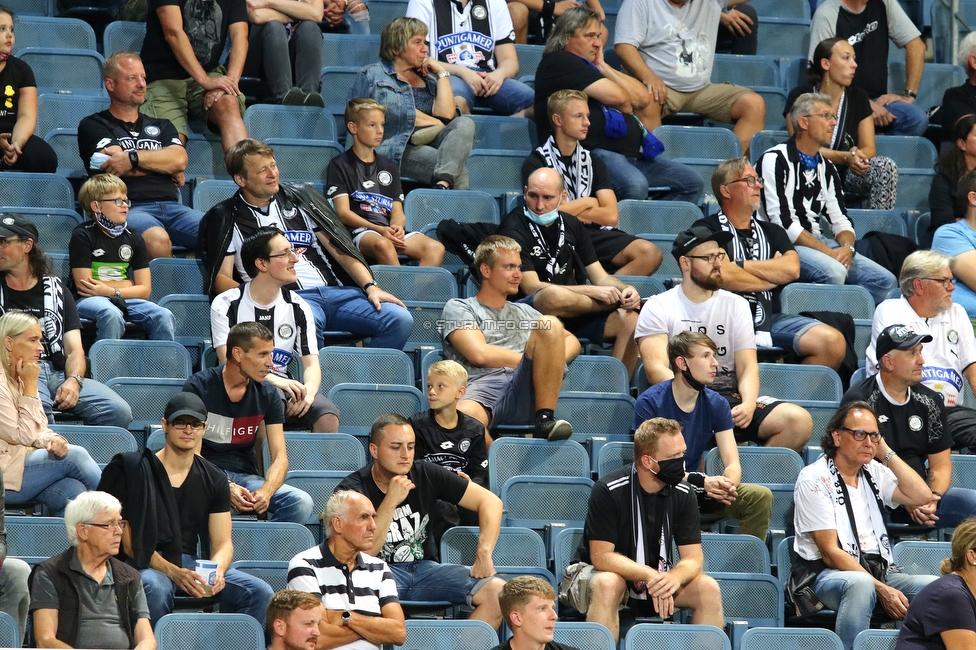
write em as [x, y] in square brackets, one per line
[694, 383]
[670, 471]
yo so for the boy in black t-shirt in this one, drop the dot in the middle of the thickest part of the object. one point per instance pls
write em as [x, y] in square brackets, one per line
[365, 190]
[109, 266]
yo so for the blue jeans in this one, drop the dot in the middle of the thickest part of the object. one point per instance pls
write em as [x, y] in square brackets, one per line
[287, 504]
[787, 329]
[955, 506]
[179, 221]
[55, 481]
[909, 119]
[109, 324]
[346, 309]
[242, 593]
[429, 580]
[823, 269]
[631, 177]
[851, 594]
[98, 405]
[511, 98]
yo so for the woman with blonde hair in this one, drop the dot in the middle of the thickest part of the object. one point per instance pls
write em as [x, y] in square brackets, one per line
[38, 464]
[943, 614]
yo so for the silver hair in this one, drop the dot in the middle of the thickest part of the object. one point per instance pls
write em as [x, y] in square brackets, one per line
[337, 506]
[567, 25]
[803, 105]
[966, 47]
[922, 264]
[84, 507]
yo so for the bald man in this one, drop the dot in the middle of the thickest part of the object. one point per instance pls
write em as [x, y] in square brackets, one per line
[558, 259]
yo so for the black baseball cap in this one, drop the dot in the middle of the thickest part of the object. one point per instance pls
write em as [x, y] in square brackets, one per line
[688, 239]
[898, 337]
[185, 404]
[15, 225]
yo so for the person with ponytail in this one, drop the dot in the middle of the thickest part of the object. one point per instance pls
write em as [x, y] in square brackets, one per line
[943, 614]
[38, 464]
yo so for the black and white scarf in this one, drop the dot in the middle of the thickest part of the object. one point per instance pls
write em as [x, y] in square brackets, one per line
[760, 251]
[552, 256]
[846, 535]
[53, 321]
[840, 141]
[651, 548]
[578, 174]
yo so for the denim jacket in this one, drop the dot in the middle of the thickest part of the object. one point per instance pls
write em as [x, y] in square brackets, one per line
[380, 81]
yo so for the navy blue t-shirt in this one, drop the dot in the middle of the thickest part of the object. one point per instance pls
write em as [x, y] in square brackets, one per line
[712, 414]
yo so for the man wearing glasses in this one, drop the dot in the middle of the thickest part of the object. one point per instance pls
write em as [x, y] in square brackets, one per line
[926, 307]
[801, 187]
[85, 597]
[700, 304]
[269, 259]
[169, 499]
[841, 535]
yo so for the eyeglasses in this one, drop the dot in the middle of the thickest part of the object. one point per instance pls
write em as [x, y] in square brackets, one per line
[7, 242]
[861, 434]
[711, 259]
[287, 253]
[751, 181]
[823, 116]
[118, 523]
[196, 426]
[119, 202]
[945, 282]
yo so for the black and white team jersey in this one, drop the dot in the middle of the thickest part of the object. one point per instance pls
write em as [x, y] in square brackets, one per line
[464, 35]
[289, 318]
[372, 187]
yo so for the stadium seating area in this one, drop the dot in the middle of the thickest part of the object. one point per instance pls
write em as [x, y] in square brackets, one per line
[544, 486]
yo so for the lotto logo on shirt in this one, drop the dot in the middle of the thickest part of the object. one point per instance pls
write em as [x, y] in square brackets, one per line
[232, 431]
[300, 240]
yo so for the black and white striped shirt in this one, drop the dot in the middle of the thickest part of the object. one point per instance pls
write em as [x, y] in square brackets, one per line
[365, 590]
[796, 199]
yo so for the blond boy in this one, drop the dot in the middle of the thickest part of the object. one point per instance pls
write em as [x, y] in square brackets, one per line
[528, 605]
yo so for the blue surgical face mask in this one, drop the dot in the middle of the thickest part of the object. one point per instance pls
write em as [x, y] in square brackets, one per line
[541, 219]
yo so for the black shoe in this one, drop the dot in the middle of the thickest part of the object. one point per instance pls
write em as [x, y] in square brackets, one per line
[294, 97]
[314, 99]
[553, 430]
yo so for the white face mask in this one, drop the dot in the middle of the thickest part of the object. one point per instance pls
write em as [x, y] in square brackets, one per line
[541, 219]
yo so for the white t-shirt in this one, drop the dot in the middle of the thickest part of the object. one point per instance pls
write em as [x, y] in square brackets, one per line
[676, 43]
[818, 505]
[951, 351]
[455, 43]
[725, 318]
[289, 318]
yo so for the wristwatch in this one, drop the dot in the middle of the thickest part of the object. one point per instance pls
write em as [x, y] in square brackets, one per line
[79, 379]
[853, 250]
[118, 293]
[910, 93]
[134, 159]
[371, 283]
[345, 618]
[443, 73]
[888, 456]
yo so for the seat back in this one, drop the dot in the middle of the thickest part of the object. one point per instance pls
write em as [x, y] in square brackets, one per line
[337, 83]
[757, 598]
[275, 573]
[209, 193]
[907, 152]
[76, 71]
[613, 456]
[269, 540]
[865, 221]
[732, 553]
[495, 170]
[351, 49]
[191, 317]
[123, 36]
[448, 635]
[128, 358]
[208, 630]
[206, 157]
[800, 382]
[416, 283]
[659, 217]
[427, 206]
[65, 112]
[37, 538]
[317, 484]
[921, 558]
[564, 547]
[596, 413]
[876, 640]
[65, 145]
[10, 636]
[597, 373]
[175, 275]
[60, 33]
[54, 225]
[338, 452]
[508, 457]
[516, 547]
[783, 37]
[364, 366]
[698, 142]
[305, 161]
[502, 132]
[529, 57]
[676, 637]
[264, 121]
[102, 443]
[936, 77]
[540, 501]
[745, 70]
[760, 464]
[765, 140]
[798, 297]
[580, 634]
[35, 190]
[794, 638]
[360, 404]
[147, 397]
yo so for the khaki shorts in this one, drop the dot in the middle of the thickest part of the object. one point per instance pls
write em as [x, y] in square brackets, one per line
[574, 587]
[714, 101]
[172, 99]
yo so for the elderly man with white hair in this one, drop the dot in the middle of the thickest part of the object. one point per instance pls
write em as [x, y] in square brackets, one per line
[358, 592]
[85, 597]
[961, 100]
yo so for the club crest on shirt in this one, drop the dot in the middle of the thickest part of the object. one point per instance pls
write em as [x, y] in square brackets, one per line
[285, 330]
[384, 177]
[125, 252]
[479, 12]
[915, 423]
[152, 131]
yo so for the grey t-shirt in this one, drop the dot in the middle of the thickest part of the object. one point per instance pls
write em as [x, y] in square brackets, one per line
[676, 43]
[508, 327]
[100, 626]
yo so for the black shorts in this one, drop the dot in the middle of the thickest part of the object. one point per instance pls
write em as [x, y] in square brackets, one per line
[590, 326]
[764, 406]
[608, 244]
[321, 405]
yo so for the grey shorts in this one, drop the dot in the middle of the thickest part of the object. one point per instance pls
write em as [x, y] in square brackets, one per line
[509, 397]
[574, 587]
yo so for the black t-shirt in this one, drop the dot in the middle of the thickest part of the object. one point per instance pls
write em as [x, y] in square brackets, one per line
[956, 102]
[32, 301]
[762, 303]
[561, 240]
[461, 449]
[205, 23]
[562, 70]
[110, 259]
[15, 75]
[601, 177]
[204, 492]
[409, 539]
[232, 426]
[101, 130]
[871, 46]
[372, 187]
[915, 429]
[855, 107]
[610, 518]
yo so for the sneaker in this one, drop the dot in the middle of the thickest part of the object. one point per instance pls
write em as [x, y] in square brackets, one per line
[314, 99]
[294, 97]
[553, 430]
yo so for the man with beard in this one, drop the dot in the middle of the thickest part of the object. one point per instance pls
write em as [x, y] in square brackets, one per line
[293, 620]
[699, 304]
[926, 307]
[801, 187]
